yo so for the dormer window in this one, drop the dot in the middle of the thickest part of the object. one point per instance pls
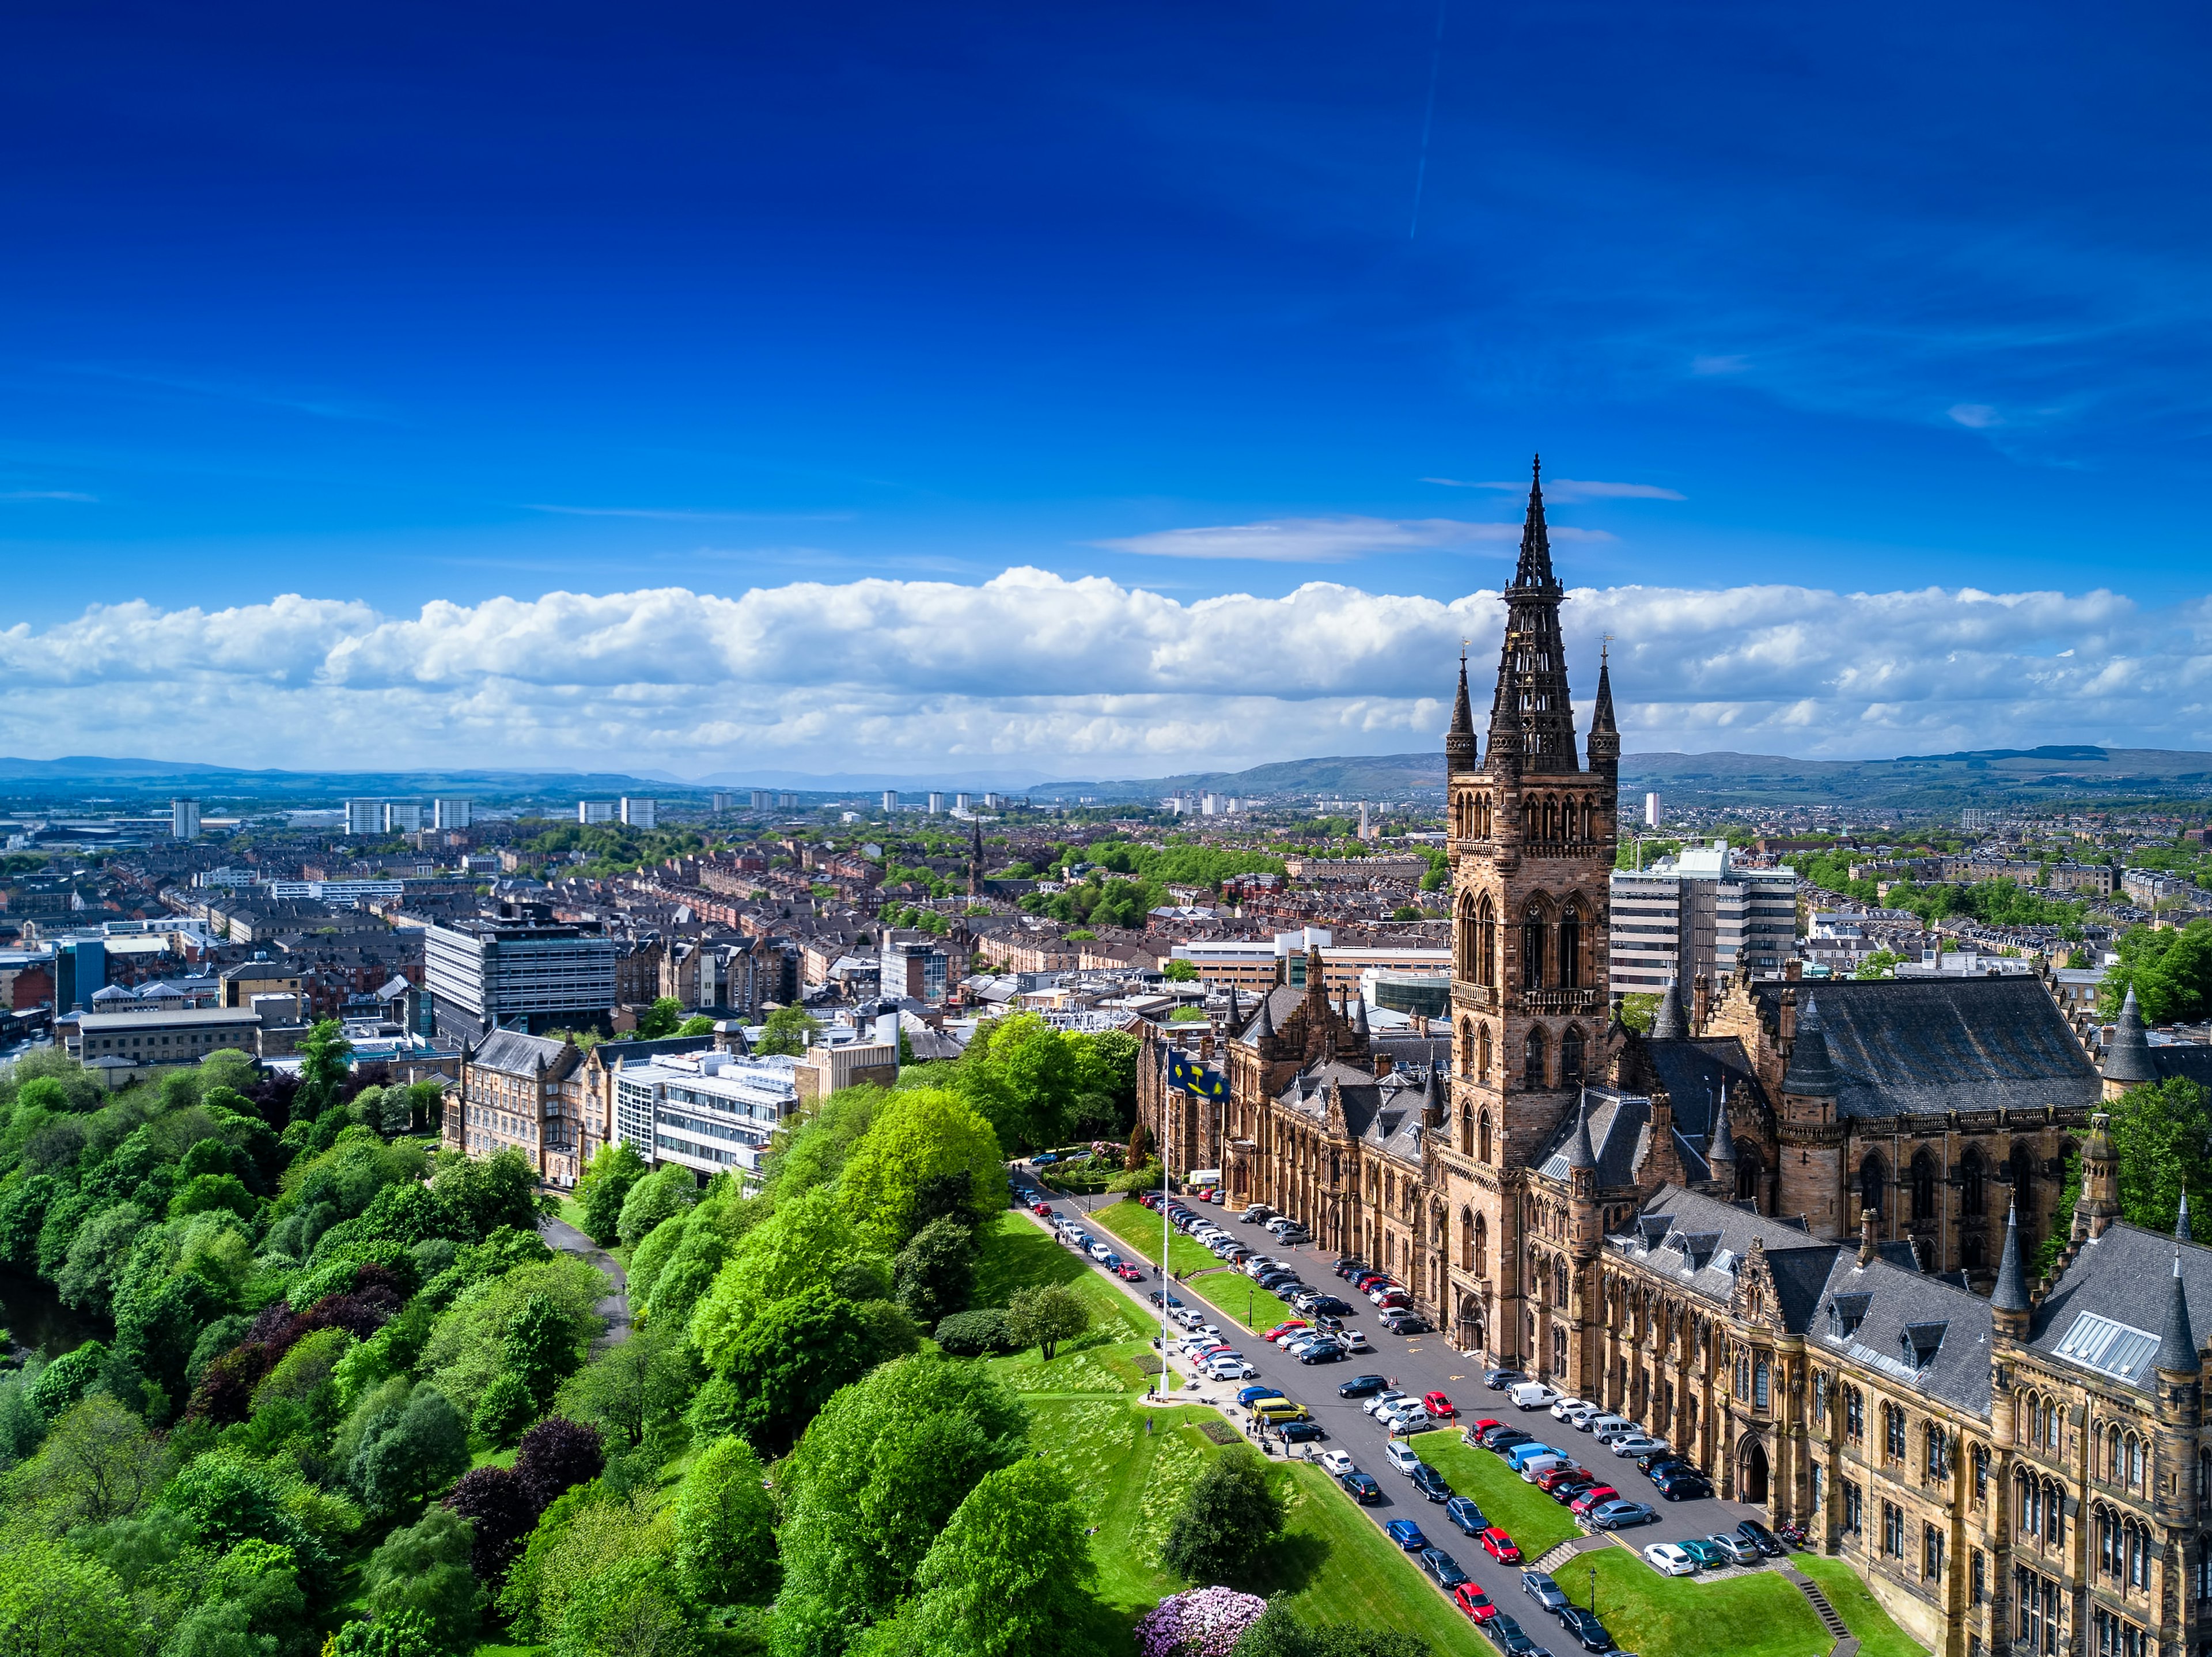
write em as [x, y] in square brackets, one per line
[1846, 1314]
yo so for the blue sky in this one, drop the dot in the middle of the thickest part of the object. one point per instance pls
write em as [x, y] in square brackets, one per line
[394, 307]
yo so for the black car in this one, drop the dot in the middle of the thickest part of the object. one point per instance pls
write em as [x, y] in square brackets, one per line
[1408, 1325]
[1275, 1281]
[1499, 1380]
[1542, 1589]
[1300, 1432]
[1333, 1305]
[1761, 1538]
[1660, 1461]
[1683, 1486]
[1360, 1488]
[1589, 1632]
[1506, 1635]
[1173, 1300]
[1444, 1570]
[1348, 1265]
[1430, 1482]
[1323, 1352]
[1502, 1439]
[1362, 1386]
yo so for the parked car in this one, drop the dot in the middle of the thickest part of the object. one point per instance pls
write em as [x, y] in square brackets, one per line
[1669, 1560]
[1618, 1515]
[1761, 1538]
[1228, 1366]
[1429, 1482]
[1475, 1602]
[1407, 1534]
[1739, 1551]
[1568, 1491]
[1403, 1457]
[1499, 1380]
[1637, 1444]
[1542, 1589]
[1438, 1404]
[1444, 1570]
[1253, 1394]
[1362, 1386]
[1682, 1485]
[1594, 1498]
[1503, 1439]
[1508, 1636]
[1361, 1488]
[1399, 1322]
[1551, 1478]
[1128, 1274]
[1301, 1432]
[1463, 1513]
[1388, 1394]
[1707, 1557]
[1655, 1462]
[1500, 1546]
[1322, 1352]
[1356, 1342]
[1589, 1632]
[1533, 1395]
[1604, 1428]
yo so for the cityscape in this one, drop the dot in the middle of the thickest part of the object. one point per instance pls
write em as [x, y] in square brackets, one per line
[859, 836]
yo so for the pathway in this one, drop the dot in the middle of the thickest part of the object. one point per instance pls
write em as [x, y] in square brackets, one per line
[615, 1306]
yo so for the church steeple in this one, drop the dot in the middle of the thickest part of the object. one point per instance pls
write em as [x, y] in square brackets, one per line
[1604, 735]
[1461, 751]
[1532, 721]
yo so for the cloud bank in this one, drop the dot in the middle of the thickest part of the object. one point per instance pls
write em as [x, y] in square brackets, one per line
[1031, 669]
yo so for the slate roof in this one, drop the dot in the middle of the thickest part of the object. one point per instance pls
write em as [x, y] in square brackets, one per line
[2126, 1276]
[1620, 1135]
[1903, 1046]
[2191, 1058]
[516, 1054]
[1383, 1112]
[1925, 1333]
[1281, 1001]
[1693, 1072]
[1696, 1242]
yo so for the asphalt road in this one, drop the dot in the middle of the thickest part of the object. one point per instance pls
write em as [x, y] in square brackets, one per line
[1416, 1364]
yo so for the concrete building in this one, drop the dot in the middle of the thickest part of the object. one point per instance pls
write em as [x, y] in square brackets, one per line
[364, 816]
[891, 802]
[595, 810]
[710, 1112]
[1651, 810]
[453, 814]
[403, 817]
[638, 813]
[719, 801]
[517, 970]
[764, 799]
[963, 802]
[1693, 916]
[936, 803]
[177, 1035]
[185, 819]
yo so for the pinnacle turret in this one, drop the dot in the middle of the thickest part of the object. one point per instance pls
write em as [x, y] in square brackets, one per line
[2128, 1059]
[1812, 1072]
[2177, 1342]
[1461, 751]
[2010, 1294]
[1667, 1022]
[1532, 721]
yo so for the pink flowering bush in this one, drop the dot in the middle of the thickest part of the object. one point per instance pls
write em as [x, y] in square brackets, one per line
[1201, 1623]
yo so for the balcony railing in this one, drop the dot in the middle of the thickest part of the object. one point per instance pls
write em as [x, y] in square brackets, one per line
[1562, 1001]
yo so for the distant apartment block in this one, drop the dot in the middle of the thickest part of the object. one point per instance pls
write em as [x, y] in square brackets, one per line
[185, 819]
[764, 799]
[595, 810]
[403, 817]
[364, 816]
[1695, 915]
[638, 813]
[891, 802]
[719, 801]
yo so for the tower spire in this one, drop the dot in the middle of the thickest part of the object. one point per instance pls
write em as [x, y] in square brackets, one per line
[1461, 752]
[1535, 569]
[1532, 720]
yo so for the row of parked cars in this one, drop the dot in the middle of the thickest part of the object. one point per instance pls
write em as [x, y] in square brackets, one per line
[1096, 1248]
[1388, 1295]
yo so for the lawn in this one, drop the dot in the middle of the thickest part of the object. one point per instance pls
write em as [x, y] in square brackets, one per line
[1861, 1613]
[1229, 1292]
[1755, 1615]
[1529, 1516]
[1014, 1254]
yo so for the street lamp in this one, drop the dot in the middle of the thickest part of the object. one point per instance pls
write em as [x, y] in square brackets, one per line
[1593, 1571]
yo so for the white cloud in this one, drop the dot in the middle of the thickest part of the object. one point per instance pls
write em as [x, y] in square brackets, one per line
[1032, 670]
[1311, 540]
[1564, 490]
[1975, 417]
[45, 495]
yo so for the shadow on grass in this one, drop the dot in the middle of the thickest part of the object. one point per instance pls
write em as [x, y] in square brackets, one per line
[1290, 1564]
[1015, 1255]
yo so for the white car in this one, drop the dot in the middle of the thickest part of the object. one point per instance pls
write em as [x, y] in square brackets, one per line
[1637, 1444]
[1400, 1415]
[1258, 1266]
[1229, 1369]
[1404, 1457]
[1669, 1561]
[1582, 1415]
[1388, 1395]
[1355, 1342]
[1211, 1330]
[1565, 1409]
[1337, 1463]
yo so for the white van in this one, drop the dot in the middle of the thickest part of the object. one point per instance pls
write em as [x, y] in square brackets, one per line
[1536, 1466]
[1534, 1395]
[1605, 1429]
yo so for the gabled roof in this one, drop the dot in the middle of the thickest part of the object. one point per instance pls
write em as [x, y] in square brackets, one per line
[2110, 1309]
[1697, 1242]
[1930, 1045]
[1921, 1331]
[1693, 1073]
[517, 1054]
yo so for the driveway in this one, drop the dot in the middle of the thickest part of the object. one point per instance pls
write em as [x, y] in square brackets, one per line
[1417, 1364]
[614, 1306]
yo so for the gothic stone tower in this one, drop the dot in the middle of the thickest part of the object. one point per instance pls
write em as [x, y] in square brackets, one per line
[1532, 844]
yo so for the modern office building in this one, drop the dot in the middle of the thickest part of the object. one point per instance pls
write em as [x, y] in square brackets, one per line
[176, 1035]
[710, 1112]
[364, 816]
[80, 972]
[595, 810]
[452, 813]
[1694, 915]
[638, 813]
[403, 817]
[519, 970]
[185, 819]
[1651, 810]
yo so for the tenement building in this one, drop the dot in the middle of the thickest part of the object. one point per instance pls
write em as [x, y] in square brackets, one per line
[1792, 1228]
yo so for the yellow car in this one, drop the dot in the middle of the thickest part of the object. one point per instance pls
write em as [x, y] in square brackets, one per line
[1280, 1410]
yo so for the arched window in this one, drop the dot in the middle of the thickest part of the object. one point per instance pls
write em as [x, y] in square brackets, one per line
[1559, 1283]
[1533, 1073]
[1466, 1047]
[1482, 1125]
[1873, 1178]
[1465, 1240]
[1467, 939]
[1482, 1058]
[1759, 1385]
[1481, 1267]
[1570, 947]
[1748, 1169]
[1571, 1057]
[1467, 1130]
[1532, 949]
[1485, 942]
[1973, 1178]
[1923, 1185]
[2023, 1174]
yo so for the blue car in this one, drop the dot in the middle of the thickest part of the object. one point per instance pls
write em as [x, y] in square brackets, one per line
[1407, 1534]
[1463, 1513]
[1253, 1394]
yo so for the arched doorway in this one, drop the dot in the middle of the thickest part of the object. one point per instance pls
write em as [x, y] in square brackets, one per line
[1751, 1485]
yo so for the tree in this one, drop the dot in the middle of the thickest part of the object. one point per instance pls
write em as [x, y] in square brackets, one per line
[100, 1463]
[98, 1254]
[878, 1476]
[1279, 1634]
[415, 1450]
[326, 1061]
[557, 1454]
[806, 1243]
[423, 1569]
[403, 1634]
[68, 1378]
[482, 1195]
[57, 1602]
[540, 1348]
[2160, 1134]
[1883, 963]
[1045, 1316]
[788, 1361]
[661, 1019]
[1179, 971]
[920, 1136]
[726, 1525]
[204, 1191]
[789, 1030]
[697, 1024]
[658, 1196]
[934, 1276]
[634, 1393]
[1010, 1573]
[499, 1514]
[634, 1608]
[614, 1169]
[2169, 970]
[506, 1407]
[1228, 1517]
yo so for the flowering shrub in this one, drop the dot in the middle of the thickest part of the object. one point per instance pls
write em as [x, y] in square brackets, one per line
[1201, 1623]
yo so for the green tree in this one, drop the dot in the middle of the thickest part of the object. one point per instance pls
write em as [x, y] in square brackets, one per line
[413, 1451]
[634, 1393]
[661, 1019]
[482, 1195]
[100, 1463]
[878, 1476]
[1279, 1634]
[790, 1359]
[789, 1030]
[1024, 1077]
[635, 1608]
[422, 1570]
[403, 1634]
[2160, 1132]
[325, 1062]
[614, 1169]
[934, 1275]
[697, 1024]
[540, 1348]
[1009, 1577]
[214, 1190]
[813, 1153]
[1883, 963]
[806, 1243]
[1179, 971]
[918, 1137]
[664, 1192]
[58, 1602]
[1228, 1518]
[1046, 1315]
[2169, 970]
[98, 1254]
[726, 1525]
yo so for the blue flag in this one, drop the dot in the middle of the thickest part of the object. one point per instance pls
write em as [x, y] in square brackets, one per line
[1194, 1078]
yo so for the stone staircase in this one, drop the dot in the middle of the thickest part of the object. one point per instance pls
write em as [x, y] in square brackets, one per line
[1845, 1646]
[1559, 1555]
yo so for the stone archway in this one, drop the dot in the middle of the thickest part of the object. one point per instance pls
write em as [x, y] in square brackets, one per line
[1751, 1476]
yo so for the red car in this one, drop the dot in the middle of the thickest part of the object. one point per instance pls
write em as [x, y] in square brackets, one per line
[1041, 1208]
[1483, 1426]
[1551, 1477]
[1500, 1546]
[1128, 1274]
[1282, 1329]
[1597, 1495]
[1475, 1602]
[1438, 1404]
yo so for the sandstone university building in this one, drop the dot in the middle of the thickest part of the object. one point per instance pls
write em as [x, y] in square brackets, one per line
[1791, 1229]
